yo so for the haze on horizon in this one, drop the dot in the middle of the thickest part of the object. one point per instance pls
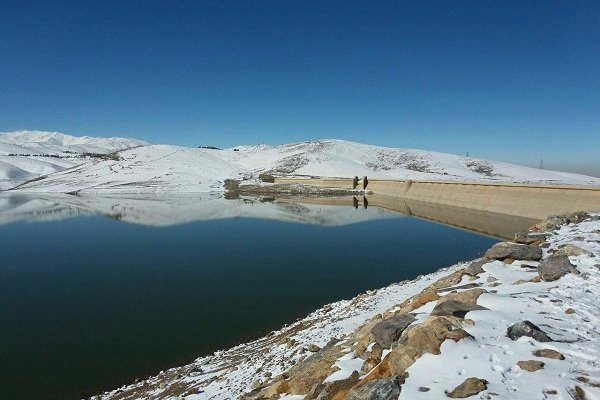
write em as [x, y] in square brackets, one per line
[507, 81]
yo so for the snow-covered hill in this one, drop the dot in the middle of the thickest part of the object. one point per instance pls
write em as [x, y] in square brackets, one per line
[39, 142]
[26, 155]
[161, 168]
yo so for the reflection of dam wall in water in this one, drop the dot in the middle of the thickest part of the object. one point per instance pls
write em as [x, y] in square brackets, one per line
[494, 209]
[498, 225]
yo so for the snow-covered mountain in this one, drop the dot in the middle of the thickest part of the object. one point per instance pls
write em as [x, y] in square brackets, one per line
[162, 168]
[39, 142]
[26, 155]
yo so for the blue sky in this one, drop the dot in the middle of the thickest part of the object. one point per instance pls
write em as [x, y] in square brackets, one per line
[511, 81]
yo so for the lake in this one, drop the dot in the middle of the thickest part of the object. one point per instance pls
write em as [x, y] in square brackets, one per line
[95, 292]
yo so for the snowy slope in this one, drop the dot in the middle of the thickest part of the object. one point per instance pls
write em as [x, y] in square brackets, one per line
[161, 169]
[56, 142]
[34, 147]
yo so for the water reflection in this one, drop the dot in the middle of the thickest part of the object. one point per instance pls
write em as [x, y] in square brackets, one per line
[165, 210]
[175, 209]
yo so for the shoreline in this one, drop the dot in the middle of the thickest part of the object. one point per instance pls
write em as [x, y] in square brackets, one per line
[316, 356]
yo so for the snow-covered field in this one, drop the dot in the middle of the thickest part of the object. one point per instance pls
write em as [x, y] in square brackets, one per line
[564, 365]
[26, 155]
[164, 168]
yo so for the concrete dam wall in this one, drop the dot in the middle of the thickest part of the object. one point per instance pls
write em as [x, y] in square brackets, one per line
[534, 201]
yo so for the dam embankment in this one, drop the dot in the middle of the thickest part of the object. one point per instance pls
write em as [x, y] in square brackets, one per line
[535, 201]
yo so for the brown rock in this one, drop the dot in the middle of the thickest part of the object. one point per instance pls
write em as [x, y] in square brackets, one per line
[515, 251]
[571, 250]
[569, 311]
[378, 389]
[423, 298]
[389, 330]
[308, 373]
[554, 267]
[548, 353]
[530, 365]
[426, 337]
[469, 387]
[333, 390]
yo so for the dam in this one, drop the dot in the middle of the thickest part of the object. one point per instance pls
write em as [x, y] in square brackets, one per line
[495, 209]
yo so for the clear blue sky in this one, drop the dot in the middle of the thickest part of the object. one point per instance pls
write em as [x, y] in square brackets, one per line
[512, 81]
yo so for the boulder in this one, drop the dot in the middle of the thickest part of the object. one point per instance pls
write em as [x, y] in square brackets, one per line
[303, 376]
[329, 390]
[515, 251]
[571, 250]
[527, 328]
[530, 237]
[265, 177]
[426, 337]
[455, 308]
[313, 348]
[475, 267]
[549, 353]
[378, 389]
[554, 267]
[469, 387]
[530, 365]
[388, 331]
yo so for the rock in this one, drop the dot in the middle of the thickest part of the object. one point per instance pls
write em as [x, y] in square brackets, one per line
[423, 389]
[515, 251]
[455, 308]
[378, 389]
[530, 365]
[469, 387]
[555, 221]
[303, 376]
[577, 393]
[530, 237]
[475, 267]
[370, 363]
[329, 390]
[527, 328]
[256, 384]
[426, 337]
[569, 311]
[554, 267]
[313, 348]
[264, 177]
[571, 250]
[549, 353]
[388, 331]
[460, 287]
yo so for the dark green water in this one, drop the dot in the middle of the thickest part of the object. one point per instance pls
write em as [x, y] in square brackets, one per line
[90, 303]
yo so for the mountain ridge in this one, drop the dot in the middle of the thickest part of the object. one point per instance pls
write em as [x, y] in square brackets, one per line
[168, 168]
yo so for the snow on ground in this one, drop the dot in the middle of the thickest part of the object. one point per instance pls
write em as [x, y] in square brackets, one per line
[173, 209]
[492, 356]
[33, 150]
[161, 168]
[566, 309]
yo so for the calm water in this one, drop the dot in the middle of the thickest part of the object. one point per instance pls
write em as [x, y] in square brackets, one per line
[89, 303]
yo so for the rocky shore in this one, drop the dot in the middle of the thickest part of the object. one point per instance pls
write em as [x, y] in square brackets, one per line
[521, 322]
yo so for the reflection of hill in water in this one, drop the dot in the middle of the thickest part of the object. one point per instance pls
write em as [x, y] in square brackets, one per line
[173, 209]
[164, 210]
